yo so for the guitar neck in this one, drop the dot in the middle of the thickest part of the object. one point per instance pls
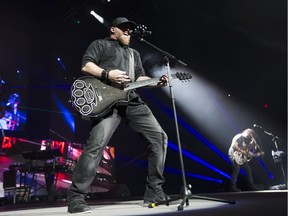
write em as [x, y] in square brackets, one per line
[142, 83]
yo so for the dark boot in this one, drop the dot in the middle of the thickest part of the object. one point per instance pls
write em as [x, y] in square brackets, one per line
[233, 188]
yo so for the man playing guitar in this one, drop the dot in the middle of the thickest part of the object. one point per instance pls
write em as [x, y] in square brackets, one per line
[242, 149]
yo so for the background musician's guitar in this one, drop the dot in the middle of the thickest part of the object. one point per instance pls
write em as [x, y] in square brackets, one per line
[241, 158]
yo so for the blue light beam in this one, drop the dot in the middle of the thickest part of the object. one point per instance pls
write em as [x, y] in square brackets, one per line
[198, 160]
[66, 114]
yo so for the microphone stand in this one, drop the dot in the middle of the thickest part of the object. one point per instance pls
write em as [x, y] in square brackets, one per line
[277, 155]
[185, 193]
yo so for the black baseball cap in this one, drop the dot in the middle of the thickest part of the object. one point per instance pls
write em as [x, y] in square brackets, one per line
[123, 20]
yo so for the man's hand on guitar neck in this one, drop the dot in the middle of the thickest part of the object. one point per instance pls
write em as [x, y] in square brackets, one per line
[163, 81]
[258, 154]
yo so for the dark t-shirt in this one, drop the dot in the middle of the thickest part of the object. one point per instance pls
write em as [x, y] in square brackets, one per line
[110, 54]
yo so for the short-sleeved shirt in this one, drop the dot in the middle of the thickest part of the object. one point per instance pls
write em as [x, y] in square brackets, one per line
[243, 144]
[110, 54]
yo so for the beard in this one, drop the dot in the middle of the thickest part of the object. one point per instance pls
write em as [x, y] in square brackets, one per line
[124, 39]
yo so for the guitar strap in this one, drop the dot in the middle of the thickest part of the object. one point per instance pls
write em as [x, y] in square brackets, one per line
[131, 73]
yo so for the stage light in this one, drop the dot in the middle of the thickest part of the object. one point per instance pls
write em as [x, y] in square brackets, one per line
[106, 1]
[61, 63]
[98, 17]
[18, 73]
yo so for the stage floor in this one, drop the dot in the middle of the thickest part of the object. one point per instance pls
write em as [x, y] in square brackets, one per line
[264, 203]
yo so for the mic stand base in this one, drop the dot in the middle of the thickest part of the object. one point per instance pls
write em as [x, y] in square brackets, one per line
[280, 162]
[185, 199]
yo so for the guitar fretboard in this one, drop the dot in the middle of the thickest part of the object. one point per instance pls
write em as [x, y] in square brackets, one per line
[142, 83]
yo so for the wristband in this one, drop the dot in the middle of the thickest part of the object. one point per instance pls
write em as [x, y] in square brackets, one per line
[105, 75]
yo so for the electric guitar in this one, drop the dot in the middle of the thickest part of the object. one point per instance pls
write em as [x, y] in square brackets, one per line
[241, 158]
[93, 98]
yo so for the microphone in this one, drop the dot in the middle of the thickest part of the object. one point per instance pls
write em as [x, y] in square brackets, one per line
[140, 31]
[277, 153]
[257, 126]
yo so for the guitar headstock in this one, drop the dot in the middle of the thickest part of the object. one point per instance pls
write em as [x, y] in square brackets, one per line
[183, 76]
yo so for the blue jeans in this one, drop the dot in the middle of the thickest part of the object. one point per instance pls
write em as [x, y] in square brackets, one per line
[140, 118]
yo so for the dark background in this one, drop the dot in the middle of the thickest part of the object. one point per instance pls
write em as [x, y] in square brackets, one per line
[239, 46]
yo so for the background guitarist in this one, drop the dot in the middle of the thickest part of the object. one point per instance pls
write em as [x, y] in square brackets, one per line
[112, 61]
[244, 146]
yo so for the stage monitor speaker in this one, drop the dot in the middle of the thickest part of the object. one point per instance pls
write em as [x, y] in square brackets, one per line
[9, 179]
